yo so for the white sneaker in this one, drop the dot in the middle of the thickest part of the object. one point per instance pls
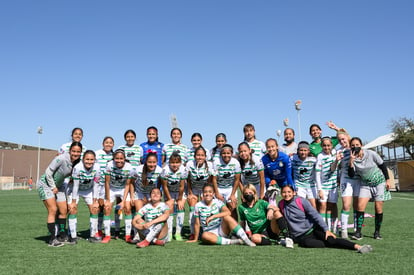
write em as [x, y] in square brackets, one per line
[288, 243]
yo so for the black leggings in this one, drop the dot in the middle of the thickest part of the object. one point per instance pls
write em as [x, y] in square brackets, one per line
[316, 239]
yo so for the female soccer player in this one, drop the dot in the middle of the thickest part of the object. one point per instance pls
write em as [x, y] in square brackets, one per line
[103, 156]
[76, 136]
[307, 227]
[152, 145]
[303, 168]
[200, 172]
[252, 169]
[52, 193]
[226, 178]
[326, 178]
[221, 139]
[214, 218]
[150, 220]
[175, 146]
[86, 177]
[118, 178]
[290, 147]
[133, 152]
[258, 147]
[261, 218]
[196, 141]
[315, 132]
[146, 177]
[278, 168]
[349, 186]
[374, 183]
[173, 178]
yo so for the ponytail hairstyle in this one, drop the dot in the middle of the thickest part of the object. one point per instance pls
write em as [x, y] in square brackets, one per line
[75, 143]
[247, 127]
[251, 161]
[219, 135]
[145, 169]
[155, 129]
[201, 148]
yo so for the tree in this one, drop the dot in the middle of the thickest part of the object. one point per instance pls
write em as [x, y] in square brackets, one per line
[403, 128]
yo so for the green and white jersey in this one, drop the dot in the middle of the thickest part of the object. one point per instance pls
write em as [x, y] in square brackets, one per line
[325, 179]
[255, 217]
[190, 154]
[344, 165]
[304, 171]
[65, 148]
[203, 211]
[150, 212]
[226, 172]
[258, 147]
[368, 169]
[119, 176]
[102, 158]
[215, 155]
[170, 148]
[199, 175]
[250, 172]
[57, 171]
[153, 179]
[173, 178]
[85, 180]
[133, 153]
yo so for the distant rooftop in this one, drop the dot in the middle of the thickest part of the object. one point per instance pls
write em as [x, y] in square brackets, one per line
[15, 146]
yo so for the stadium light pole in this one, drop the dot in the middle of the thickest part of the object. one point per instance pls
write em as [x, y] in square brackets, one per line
[298, 104]
[40, 132]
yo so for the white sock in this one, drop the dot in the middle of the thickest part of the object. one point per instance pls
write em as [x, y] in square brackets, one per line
[170, 224]
[179, 222]
[107, 225]
[93, 223]
[72, 221]
[344, 221]
[128, 225]
[191, 219]
[153, 232]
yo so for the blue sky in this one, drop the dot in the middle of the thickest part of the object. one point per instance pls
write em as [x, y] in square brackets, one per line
[109, 66]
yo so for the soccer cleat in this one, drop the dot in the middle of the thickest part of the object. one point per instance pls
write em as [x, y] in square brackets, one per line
[158, 242]
[288, 242]
[136, 239]
[366, 248]
[143, 244]
[99, 235]
[63, 237]
[178, 237]
[72, 241]
[377, 235]
[191, 237]
[95, 240]
[55, 243]
[344, 234]
[116, 235]
[128, 239]
[357, 236]
[106, 239]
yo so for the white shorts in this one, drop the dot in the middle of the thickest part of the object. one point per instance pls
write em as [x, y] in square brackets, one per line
[307, 193]
[373, 192]
[330, 196]
[226, 193]
[87, 196]
[117, 193]
[218, 231]
[101, 192]
[350, 188]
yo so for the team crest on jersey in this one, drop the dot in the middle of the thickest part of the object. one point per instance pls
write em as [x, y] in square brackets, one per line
[280, 164]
